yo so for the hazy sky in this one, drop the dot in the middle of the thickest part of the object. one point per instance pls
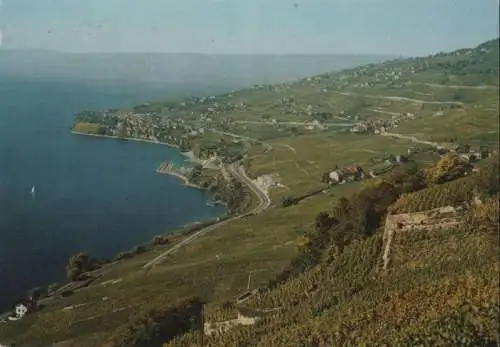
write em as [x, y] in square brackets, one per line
[406, 27]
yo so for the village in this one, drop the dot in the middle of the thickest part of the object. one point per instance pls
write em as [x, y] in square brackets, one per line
[354, 173]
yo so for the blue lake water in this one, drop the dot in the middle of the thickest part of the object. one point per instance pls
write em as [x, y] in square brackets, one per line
[95, 195]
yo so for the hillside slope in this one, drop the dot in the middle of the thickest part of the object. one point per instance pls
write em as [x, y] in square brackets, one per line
[439, 289]
[336, 153]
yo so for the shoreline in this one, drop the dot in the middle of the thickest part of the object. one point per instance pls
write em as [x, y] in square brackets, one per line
[126, 138]
[189, 154]
[186, 182]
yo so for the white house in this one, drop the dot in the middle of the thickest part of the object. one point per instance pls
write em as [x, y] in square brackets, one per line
[21, 310]
[335, 176]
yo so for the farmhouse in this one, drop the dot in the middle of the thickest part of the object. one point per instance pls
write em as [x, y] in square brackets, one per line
[353, 173]
[22, 309]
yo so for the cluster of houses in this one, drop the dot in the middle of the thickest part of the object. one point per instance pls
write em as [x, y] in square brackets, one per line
[315, 124]
[355, 172]
[346, 175]
[380, 126]
[152, 127]
[467, 153]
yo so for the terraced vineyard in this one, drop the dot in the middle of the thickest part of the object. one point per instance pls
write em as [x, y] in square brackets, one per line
[316, 265]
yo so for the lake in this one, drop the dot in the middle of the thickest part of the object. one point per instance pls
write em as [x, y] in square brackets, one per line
[100, 196]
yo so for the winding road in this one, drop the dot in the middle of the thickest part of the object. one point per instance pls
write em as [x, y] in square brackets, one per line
[484, 86]
[288, 123]
[237, 171]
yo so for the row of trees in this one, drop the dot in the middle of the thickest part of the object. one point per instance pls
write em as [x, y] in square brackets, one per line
[355, 217]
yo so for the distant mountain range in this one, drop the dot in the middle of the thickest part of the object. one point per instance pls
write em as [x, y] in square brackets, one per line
[222, 70]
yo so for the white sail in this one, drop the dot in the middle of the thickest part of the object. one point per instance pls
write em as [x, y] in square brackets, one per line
[33, 190]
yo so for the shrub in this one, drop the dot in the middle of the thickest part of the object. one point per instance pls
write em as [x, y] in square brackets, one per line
[77, 265]
[289, 201]
[159, 240]
[139, 250]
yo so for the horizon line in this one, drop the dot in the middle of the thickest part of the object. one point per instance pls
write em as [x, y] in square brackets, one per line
[190, 53]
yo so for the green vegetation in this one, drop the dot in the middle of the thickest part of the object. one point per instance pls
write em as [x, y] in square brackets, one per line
[158, 325]
[315, 270]
[452, 193]
[449, 168]
[81, 263]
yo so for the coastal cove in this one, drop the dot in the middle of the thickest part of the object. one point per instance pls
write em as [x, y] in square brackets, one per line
[190, 159]
[100, 196]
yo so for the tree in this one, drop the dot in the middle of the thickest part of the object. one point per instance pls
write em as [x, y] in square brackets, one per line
[159, 240]
[324, 222]
[52, 287]
[450, 167]
[195, 172]
[35, 293]
[463, 149]
[156, 326]
[408, 178]
[73, 274]
[289, 201]
[77, 265]
[488, 180]
[342, 208]
[325, 177]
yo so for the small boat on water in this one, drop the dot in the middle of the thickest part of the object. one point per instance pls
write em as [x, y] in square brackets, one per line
[33, 190]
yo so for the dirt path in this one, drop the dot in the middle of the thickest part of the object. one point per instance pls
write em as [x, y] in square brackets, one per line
[459, 87]
[412, 138]
[289, 123]
[290, 148]
[384, 112]
[400, 98]
[297, 165]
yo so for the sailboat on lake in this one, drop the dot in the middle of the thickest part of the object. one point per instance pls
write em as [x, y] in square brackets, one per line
[33, 191]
